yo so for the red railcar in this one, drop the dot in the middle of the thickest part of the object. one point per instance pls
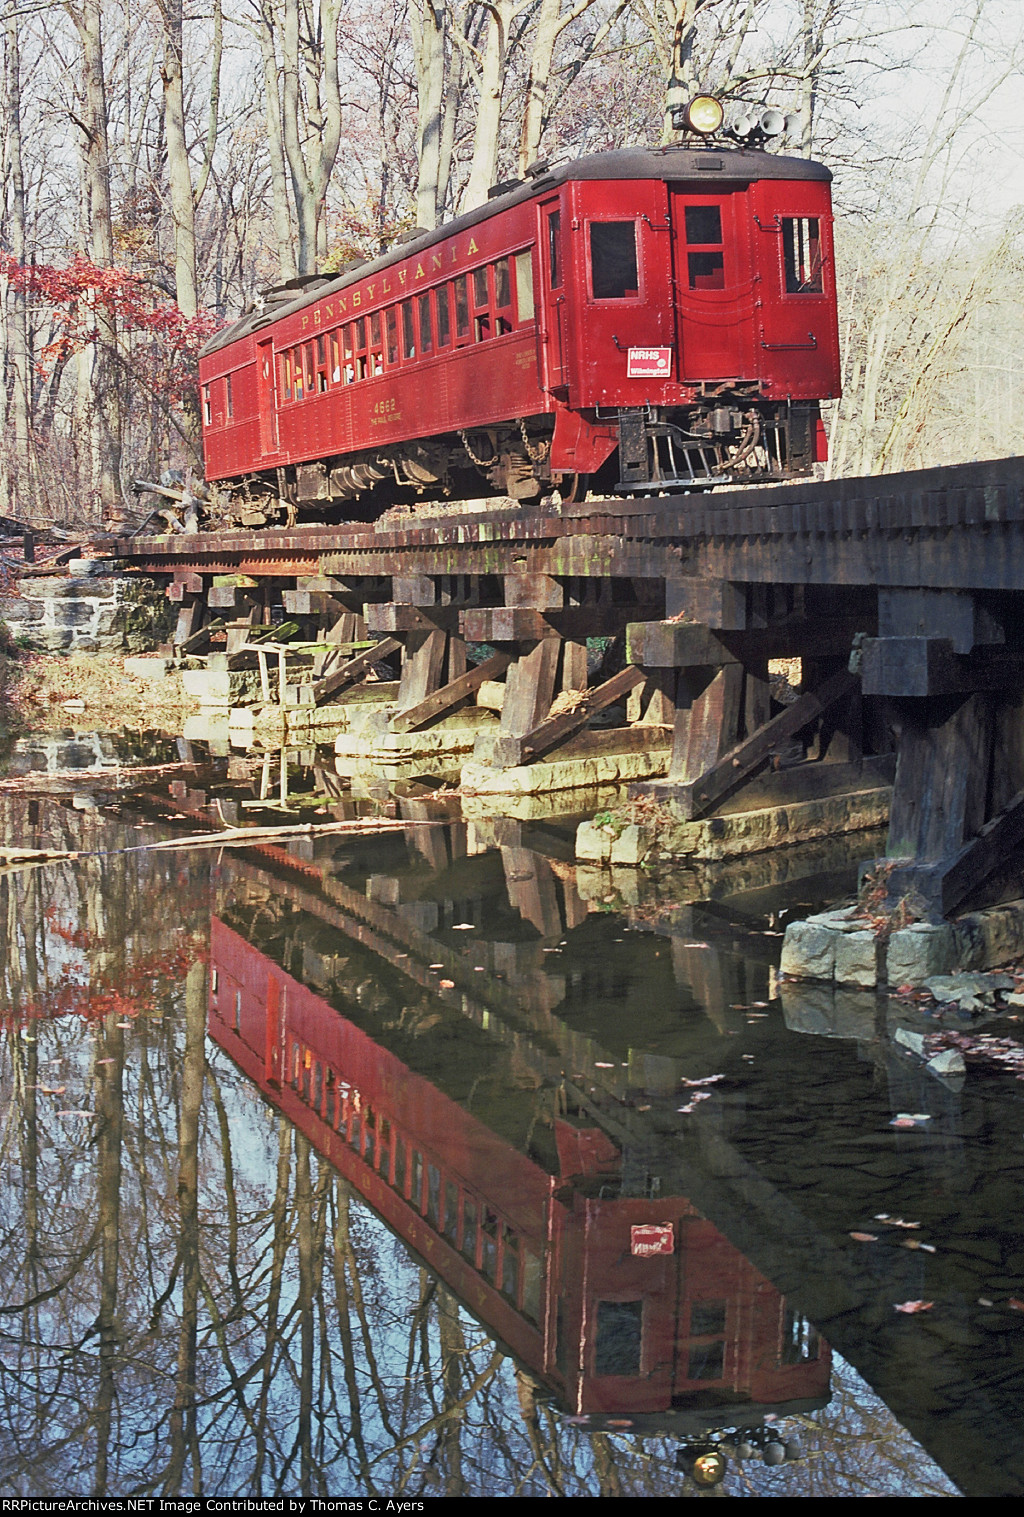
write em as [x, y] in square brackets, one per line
[641, 319]
[542, 1258]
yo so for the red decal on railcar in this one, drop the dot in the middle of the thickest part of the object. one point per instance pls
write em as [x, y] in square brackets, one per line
[649, 363]
[652, 1238]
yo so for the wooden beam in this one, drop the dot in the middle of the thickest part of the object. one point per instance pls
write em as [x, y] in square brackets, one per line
[698, 796]
[393, 616]
[530, 688]
[422, 666]
[996, 842]
[915, 667]
[554, 729]
[450, 695]
[201, 635]
[353, 669]
[675, 645]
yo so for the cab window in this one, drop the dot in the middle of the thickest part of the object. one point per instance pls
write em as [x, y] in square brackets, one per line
[801, 255]
[613, 260]
[705, 269]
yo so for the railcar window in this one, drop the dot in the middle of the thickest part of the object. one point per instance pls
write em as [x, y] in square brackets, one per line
[416, 1192]
[444, 320]
[297, 370]
[703, 224]
[801, 255]
[391, 328]
[532, 1277]
[524, 287]
[399, 1180]
[384, 1148]
[489, 1253]
[617, 1350]
[451, 1210]
[613, 262]
[359, 345]
[555, 249]
[706, 1361]
[502, 296]
[408, 331]
[335, 358]
[376, 345]
[462, 307]
[309, 367]
[426, 338]
[469, 1229]
[509, 1262]
[482, 328]
[229, 404]
[706, 271]
[207, 406]
[284, 375]
[321, 363]
[433, 1195]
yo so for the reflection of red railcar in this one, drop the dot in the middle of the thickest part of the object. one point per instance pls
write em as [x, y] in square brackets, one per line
[541, 1258]
[646, 318]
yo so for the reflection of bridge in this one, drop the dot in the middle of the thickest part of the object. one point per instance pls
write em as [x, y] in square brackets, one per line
[543, 1258]
[541, 1029]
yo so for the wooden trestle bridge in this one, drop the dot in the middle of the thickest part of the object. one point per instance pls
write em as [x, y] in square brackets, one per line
[902, 594]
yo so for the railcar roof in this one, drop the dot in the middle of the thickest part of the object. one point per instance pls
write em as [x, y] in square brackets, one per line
[706, 166]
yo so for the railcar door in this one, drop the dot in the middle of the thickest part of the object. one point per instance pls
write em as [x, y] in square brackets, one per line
[798, 334]
[624, 347]
[267, 396]
[552, 249]
[715, 285]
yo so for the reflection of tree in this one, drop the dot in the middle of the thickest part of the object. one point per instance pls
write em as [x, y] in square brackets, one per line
[195, 1301]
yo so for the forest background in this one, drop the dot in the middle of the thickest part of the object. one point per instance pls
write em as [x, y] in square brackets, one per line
[163, 163]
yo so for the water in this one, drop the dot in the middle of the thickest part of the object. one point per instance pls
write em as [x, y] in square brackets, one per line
[323, 1161]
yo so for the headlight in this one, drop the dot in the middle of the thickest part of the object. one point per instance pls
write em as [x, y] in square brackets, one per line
[704, 115]
[709, 1469]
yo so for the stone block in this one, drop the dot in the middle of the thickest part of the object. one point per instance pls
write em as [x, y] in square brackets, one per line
[593, 843]
[21, 611]
[855, 958]
[74, 613]
[809, 951]
[92, 568]
[918, 951]
[149, 667]
[53, 639]
[630, 847]
[626, 885]
[592, 882]
[219, 686]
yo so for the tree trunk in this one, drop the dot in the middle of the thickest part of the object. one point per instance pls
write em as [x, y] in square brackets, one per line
[179, 176]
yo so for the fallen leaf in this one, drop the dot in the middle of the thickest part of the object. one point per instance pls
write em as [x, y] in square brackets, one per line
[909, 1307]
[463, 927]
[447, 984]
[864, 1237]
[1015, 1305]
